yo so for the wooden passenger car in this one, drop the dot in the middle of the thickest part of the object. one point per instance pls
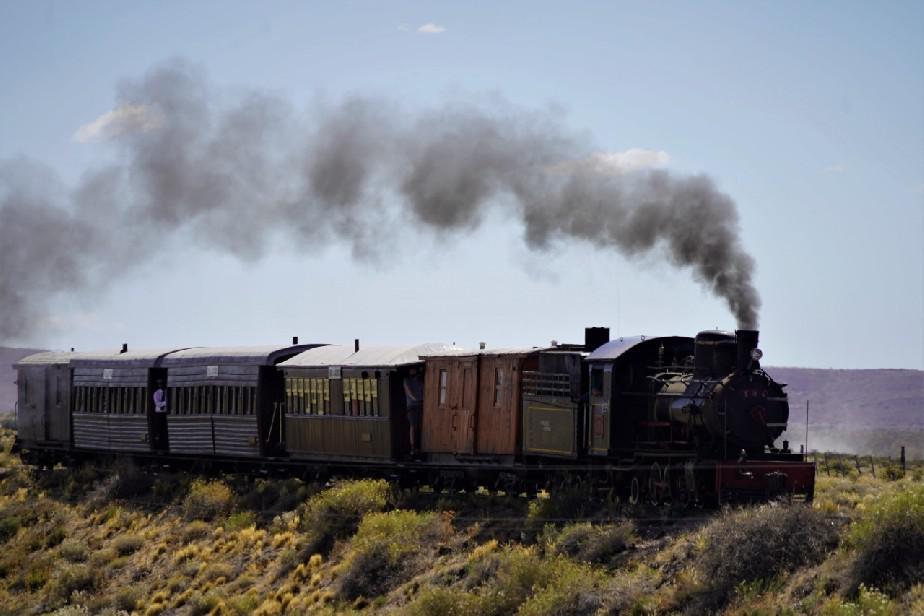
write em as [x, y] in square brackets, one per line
[347, 404]
[226, 401]
[112, 401]
[474, 403]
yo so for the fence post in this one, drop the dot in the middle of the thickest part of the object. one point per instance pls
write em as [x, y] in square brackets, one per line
[872, 466]
[856, 461]
[903, 460]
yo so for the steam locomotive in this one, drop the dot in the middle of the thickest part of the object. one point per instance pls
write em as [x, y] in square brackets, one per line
[660, 419]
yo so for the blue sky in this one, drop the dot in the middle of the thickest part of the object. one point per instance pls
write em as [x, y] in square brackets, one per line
[811, 116]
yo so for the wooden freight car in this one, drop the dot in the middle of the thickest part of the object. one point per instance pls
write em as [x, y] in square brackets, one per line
[226, 401]
[348, 404]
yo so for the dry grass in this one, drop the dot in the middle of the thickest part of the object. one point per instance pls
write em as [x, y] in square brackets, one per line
[94, 541]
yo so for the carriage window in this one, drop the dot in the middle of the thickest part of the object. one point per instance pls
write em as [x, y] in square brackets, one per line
[498, 385]
[596, 382]
[444, 381]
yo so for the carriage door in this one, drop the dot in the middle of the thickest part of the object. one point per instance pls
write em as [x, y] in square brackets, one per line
[600, 390]
[463, 409]
[157, 422]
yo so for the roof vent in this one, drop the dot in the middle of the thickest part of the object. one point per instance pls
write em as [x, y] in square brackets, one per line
[294, 340]
[482, 345]
[356, 345]
[124, 348]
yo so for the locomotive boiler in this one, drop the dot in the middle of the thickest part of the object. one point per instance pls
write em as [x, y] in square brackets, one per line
[727, 404]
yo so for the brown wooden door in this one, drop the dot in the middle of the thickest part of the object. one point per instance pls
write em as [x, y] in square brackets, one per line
[464, 394]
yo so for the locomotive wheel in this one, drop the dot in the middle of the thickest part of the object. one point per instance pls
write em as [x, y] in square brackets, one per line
[666, 494]
[654, 482]
[635, 491]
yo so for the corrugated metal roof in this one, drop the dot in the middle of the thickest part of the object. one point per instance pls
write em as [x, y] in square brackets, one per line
[615, 348]
[342, 355]
[260, 355]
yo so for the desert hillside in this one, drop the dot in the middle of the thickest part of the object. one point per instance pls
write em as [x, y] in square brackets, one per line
[119, 541]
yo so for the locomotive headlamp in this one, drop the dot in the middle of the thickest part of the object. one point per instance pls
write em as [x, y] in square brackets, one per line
[756, 354]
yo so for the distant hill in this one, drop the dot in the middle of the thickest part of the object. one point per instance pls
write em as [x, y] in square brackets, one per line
[860, 398]
[868, 412]
[8, 357]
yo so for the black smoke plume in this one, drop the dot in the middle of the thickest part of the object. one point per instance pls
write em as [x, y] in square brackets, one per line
[237, 169]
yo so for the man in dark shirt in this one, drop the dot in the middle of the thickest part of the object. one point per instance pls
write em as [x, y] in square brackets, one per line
[413, 394]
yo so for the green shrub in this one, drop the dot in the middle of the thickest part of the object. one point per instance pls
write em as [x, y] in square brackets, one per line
[208, 500]
[131, 482]
[889, 542]
[240, 520]
[55, 536]
[515, 574]
[756, 545]
[594, 544]
[126, 599]
[335, 513]
[574, 590]
[72, 578]
[73, 551]
[893, 472]
[383, 550]
[197, 529]
[127, 544]
[200, 605]
[444, 602]
[9, 526]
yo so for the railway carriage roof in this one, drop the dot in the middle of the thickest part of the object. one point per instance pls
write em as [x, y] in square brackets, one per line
[343, 355]
[138, 357]
[615, 348]
[241, 355]
[47, 357]
[489, 352]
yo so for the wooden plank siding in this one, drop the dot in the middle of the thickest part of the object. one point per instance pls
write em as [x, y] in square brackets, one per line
[338, 435]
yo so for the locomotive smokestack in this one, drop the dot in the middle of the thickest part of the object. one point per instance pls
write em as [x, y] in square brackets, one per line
[595, 337]
[747, 342]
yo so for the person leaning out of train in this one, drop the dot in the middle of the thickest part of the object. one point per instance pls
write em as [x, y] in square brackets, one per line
[160, 398]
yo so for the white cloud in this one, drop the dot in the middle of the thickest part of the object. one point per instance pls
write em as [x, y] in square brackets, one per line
[122, 119]
[632, 159]
[615, 163]
[431, 28]
[835, 169]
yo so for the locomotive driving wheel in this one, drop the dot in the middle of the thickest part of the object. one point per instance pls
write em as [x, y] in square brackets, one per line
[635, 491]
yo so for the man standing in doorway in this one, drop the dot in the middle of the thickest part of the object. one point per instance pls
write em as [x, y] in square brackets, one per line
[413, 394]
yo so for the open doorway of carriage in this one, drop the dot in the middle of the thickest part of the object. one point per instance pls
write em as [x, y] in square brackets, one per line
[157, 420]
[271, 391]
